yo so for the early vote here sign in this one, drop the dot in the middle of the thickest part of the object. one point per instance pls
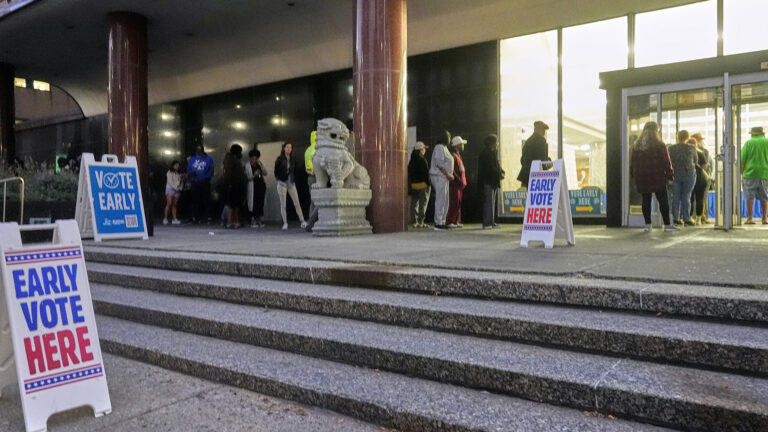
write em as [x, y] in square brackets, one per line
[48, 308]
[116, 199]
[539, 210]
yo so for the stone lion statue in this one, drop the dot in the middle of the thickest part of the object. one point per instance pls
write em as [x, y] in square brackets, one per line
[333, 162]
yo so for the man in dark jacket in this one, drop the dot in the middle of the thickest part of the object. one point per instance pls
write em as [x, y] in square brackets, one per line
[418, 179]
[535, 148]
[489, 176]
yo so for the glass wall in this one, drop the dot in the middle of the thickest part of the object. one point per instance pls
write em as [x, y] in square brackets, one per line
[528, 93]
[588, 50]
[743, 28]
[676, 34]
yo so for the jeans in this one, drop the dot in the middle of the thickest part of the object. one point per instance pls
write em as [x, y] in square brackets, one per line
[201, 198]
[440, 188]
[681, 198]
[490, 194]
[289, 189]
[419, 202]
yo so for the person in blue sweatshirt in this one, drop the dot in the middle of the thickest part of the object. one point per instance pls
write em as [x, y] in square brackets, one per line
[199, 174]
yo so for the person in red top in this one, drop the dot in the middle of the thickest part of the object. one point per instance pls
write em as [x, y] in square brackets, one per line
[651, 168]
[457, 185]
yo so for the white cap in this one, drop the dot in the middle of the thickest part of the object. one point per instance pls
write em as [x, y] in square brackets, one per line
[420, 145]
[457, 140]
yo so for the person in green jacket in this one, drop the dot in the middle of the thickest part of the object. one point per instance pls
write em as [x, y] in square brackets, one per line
[754, 170]
[310, 169]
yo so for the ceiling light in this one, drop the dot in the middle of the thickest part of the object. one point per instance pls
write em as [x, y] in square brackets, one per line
[20, 82]
[238, 106]
[167, 152]
[168, 134]
[165, 116]
[41, 85]
[238, 125]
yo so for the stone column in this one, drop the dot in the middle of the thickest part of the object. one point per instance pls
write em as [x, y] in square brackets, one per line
[379, 79]
[7, 113]
[127, 95]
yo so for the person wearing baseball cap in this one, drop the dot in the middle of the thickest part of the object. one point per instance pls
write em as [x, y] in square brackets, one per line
[535, 148]
[754, 169]
[418, 184]
[457, 185]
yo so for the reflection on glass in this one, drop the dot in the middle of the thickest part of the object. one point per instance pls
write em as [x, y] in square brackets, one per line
[743, 30]
[588, 50]
[676, 34]
[528, 93]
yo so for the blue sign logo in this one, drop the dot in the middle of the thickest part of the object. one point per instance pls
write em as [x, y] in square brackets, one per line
[117, 206]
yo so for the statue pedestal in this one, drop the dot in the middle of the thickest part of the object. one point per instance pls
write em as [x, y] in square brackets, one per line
[341, 212]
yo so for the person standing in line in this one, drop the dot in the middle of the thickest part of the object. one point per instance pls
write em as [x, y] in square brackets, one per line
[418, 179]
[257, 188]
[651, 169]
[309, 166]
[710, 168]
[698, 197]
[535, 148]
[285, 173]
[173, 187]
[754, 170]
[199, 174]
[457, 185]
[683, 156]
[489, 176]
[440, 174]
[235, 184]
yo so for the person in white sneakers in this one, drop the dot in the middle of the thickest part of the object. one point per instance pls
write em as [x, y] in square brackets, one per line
[285, 173]
[174, 183]
[441, 174]
[651, 169]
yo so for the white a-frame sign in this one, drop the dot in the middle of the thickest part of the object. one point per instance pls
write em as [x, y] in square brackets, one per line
[547, 206]
[49, 343]
[109, 201]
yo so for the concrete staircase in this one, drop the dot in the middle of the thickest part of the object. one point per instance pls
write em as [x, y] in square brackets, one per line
[422, 349]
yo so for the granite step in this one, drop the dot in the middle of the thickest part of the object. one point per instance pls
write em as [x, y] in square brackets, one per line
[655, 393]
[716, 345]
[393, 400]
[726, 302]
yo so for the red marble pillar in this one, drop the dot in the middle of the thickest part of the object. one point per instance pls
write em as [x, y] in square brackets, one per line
[379, 80]
[7, 113]
[127, 91]
[127, 96]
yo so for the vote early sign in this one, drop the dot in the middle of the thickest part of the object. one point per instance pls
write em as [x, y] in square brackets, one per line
[109, 199]
[547, 207]
[55, 342]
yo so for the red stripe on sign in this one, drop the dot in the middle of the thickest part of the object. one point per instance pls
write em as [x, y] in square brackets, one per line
[45, 260]
[66, 383]
[42, 250]
[62, 373]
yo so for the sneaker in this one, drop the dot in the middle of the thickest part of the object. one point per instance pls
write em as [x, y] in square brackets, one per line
[440, 228]
[690, 223]
[678, 222]
[176, 222]
[165, 221]
[705, 221]
[285, 227]
[417, 225]
[459, 225]
[671, 228]
[303, 224]
[262, 224]
[488, 227]
[254, 224]
[451, 226]
[496, 225]
[647, 228]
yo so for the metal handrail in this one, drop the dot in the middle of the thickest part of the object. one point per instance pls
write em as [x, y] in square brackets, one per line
[21, 196]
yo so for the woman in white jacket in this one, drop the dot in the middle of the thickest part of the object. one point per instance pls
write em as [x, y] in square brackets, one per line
[173, 187]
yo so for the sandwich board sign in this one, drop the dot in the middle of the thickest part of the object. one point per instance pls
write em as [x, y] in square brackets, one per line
[547, 206]
[53, 337]
[109, 201]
